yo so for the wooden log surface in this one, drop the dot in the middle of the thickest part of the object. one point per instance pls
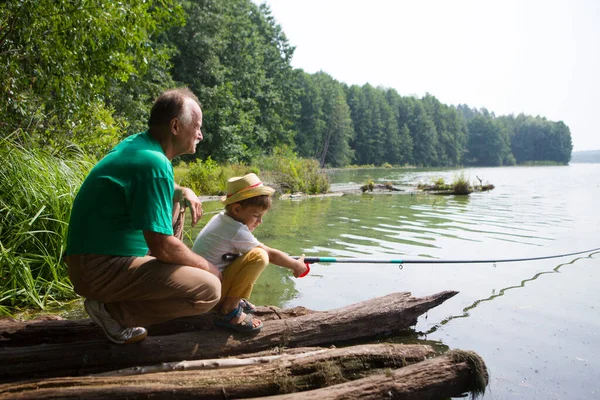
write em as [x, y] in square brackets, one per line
[379, 316]
[451, 375]
[298, 372]
[52, 329]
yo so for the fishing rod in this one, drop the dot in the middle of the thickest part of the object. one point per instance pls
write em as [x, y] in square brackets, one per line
[312, 260]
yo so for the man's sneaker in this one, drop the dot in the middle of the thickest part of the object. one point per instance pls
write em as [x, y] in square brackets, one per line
[112, 329]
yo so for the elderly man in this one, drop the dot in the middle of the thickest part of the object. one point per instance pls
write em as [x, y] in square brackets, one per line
[123, 252]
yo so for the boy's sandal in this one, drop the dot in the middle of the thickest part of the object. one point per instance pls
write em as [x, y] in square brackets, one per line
[247, 307]
[244, 326]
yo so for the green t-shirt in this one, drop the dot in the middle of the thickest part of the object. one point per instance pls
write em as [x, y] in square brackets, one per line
[129, 191]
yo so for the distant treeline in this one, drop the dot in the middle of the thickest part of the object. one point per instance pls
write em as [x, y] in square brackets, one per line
[588, 156]
[87, 73]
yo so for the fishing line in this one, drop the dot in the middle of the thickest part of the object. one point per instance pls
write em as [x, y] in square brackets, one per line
[312, 260]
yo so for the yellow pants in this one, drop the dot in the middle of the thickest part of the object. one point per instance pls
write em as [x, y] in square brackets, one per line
[239, 277]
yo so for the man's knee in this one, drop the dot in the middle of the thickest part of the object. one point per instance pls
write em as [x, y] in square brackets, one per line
[209, 291]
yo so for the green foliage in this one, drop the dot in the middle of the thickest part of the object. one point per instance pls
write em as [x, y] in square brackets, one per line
[293, 174]
[324, 126]
[59, 58]
[537, 139]
[209, 178]
[508, 140]
[488, 142]
[439, 183]
[461, 186]
[37, 193]
[235, 57]
[284, 170]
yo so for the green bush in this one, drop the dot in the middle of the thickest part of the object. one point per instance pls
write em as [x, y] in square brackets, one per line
[209, 178]
[461, 186]
[439, 183]
[283, 170]
[37, 194]
[292, 174]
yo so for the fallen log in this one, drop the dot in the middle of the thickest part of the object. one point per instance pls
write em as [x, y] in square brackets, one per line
[451, 375]
[288, 373]
[58, 330]
[379, 316]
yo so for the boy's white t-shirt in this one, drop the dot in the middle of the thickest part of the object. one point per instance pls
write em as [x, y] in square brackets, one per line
[223, 235]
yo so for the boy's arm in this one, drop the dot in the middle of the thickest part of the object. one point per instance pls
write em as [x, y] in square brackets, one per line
[278, 257]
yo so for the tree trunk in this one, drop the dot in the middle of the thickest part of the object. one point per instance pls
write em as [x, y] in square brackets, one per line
[379, 316]
[53, 329]
[288, 373]
[451, 375]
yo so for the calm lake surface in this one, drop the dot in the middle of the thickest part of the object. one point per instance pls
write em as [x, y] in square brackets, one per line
[536, 323]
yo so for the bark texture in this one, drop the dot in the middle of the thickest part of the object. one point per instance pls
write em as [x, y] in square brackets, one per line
[295, 372]
[376, 317]
[53, 329]
[451, 375]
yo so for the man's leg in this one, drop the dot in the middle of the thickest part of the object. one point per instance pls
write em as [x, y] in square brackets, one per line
[143, 290]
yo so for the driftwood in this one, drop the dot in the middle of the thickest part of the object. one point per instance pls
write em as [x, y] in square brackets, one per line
[380, 316]
[57, 330]
[289, 373]
[451, 375]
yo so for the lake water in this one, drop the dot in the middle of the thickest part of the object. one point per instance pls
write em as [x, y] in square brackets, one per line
[536, 323]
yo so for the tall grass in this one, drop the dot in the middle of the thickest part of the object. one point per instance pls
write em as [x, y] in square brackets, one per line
[284, 169]
[37, 191]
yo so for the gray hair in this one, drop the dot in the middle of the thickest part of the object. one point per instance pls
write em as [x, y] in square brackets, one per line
[172, 104]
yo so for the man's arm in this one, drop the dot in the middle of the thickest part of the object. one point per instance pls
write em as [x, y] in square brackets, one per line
[169, 249]
[278, 257]
[191, 201]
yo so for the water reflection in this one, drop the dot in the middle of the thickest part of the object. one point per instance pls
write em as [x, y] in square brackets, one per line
[534, 338]
[466, 311]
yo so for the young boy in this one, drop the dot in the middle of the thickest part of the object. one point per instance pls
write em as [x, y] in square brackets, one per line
[230, 232]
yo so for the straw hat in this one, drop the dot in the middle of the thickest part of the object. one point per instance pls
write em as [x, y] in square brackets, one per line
[243, 187]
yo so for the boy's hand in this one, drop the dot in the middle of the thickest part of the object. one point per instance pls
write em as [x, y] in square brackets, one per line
[300, 267]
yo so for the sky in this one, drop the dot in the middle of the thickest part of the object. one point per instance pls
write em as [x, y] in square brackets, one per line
[529, 56]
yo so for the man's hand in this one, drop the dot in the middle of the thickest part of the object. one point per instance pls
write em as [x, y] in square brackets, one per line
[169, 249]
[215, 271]
[191, 201]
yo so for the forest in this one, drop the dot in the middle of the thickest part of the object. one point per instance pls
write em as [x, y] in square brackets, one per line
[83, 74]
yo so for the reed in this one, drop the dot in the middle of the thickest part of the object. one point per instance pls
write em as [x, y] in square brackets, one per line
[37, 193]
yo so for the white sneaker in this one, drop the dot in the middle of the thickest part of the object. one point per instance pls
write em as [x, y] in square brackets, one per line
[112, 329]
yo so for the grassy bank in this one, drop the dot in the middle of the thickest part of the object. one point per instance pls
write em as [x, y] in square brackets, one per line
[37, 191]
[283, 170]
[37, 194]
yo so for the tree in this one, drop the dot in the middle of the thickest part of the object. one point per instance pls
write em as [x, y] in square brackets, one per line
[451, 133]
[400, 145]
[336, 150]
[59, 59]
[310, 124]
[424, 135]
[237, 60]
[488, 142]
